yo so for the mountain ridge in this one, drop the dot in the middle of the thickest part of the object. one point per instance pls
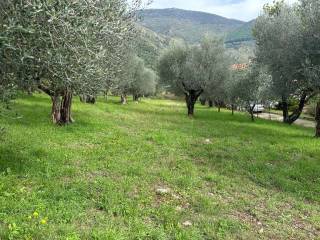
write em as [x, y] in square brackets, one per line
[191, 11]
[193, 25]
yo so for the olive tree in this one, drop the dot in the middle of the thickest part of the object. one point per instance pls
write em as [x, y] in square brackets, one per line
[8, 56]
[251, 88]
[129, 73]
[310, 15]
[191, 70]
[145, 85]
[279, 46]
[66, 47]
[135, 79]
[231, 87]
[218, 71]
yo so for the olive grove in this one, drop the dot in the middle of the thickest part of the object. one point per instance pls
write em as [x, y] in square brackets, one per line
[287, 43]
[64, 47]
[278, 34]
[309, 12]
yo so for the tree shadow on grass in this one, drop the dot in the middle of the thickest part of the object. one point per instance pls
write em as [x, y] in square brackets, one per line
[14, 158]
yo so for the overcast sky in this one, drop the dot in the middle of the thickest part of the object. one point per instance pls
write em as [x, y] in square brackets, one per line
[238, 9]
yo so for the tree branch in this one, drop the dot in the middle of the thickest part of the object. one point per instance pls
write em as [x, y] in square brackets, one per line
[184, 89]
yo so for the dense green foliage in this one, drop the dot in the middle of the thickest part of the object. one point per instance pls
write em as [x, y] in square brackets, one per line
[97, 178]
[64, 47]
[194, 70]
[287, 44]
[136, 79]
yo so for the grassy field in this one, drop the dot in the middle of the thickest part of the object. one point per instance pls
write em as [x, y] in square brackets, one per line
[222, 177]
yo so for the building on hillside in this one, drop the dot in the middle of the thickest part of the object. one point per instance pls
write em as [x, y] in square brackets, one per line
[240, 66]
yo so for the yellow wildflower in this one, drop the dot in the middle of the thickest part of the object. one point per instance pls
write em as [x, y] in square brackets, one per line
[44, 221]
[36, 214]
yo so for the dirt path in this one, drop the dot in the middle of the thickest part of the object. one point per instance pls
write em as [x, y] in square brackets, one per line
[275, 117]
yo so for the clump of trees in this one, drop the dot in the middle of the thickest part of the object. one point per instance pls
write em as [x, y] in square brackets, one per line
[64, 47]
[287, 43]
[136, 79]
[250, 88]
[193, 70]
[68, 48]
[286, 64]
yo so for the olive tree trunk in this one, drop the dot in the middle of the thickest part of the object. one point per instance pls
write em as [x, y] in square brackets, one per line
[210, 103]
[91, 99]
[65, 110]
[61, 108]
[88, 99]
[251, 111]
[136, 97]
[285, 109]
[191, 99]
[56, 109]
[203, 101]
[123, 99]
[290, 119]
[318, 120]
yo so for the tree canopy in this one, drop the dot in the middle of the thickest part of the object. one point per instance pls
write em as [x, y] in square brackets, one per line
[193, 70]
[65, 47]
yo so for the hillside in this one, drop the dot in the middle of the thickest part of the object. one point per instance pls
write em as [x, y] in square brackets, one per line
[191, 25]
[241, 34]
[146, 171]
[149, 45]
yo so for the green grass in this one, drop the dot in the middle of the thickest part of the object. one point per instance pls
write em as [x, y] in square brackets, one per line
[98, 178]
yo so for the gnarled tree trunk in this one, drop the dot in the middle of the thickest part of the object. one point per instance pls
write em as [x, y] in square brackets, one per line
[91, 99]
[65, 111]
[290, 119]
[56, 108]
[83, 98]
[191, 99]
[297, 113]
[318, 120]
[251, 111]
[285, 110]
[210, 103]
[219, 104]
[60, 110]
[88, 99]
[123, 99]
[203, 101]
[135, 97]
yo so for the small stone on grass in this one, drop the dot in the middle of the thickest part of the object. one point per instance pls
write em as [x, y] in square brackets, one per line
[187, 224]
[162, 191]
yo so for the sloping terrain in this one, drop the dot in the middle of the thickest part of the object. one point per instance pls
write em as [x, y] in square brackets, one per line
[243, 33]
[146, 171]
[190, 25]
[149, 46]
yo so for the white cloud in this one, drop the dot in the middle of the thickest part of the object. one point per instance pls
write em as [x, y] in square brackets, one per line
[238, 9]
